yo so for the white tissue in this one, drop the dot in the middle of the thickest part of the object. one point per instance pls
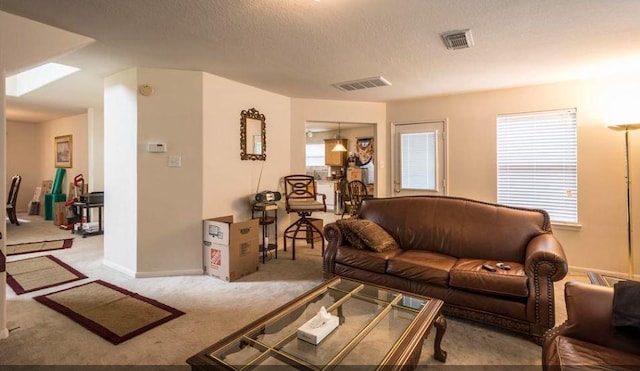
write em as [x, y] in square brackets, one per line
[320, 319]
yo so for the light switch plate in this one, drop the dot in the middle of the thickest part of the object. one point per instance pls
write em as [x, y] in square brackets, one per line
[175, 161]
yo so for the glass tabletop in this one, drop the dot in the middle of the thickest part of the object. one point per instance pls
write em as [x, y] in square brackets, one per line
[371, 320]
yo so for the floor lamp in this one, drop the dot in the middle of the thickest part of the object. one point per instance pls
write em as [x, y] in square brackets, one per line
[626, 128]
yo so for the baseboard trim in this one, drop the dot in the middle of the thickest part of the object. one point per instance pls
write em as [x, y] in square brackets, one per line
[129, 272]
[182, 272]
[574, 269]
[119, 268]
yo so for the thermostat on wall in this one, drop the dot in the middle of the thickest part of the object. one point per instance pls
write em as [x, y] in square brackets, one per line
[156, 147]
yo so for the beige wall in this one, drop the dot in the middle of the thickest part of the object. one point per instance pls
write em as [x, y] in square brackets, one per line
[30, 153]
[153, 212]
[170, 198]
[601, 242]
[303, 110]
[23, 158]
[76, 126]
[228, 182]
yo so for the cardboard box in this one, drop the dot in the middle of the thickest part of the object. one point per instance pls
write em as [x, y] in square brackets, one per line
[59, 213]
[354, 174]
[231, 250]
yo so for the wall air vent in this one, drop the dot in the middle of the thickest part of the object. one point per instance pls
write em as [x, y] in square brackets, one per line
[371, 82]
[457, 39]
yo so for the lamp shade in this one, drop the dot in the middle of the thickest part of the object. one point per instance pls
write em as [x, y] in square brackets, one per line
[624, 126]
[339, 148]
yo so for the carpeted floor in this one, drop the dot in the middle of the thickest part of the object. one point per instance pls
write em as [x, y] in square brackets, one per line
[41, 336]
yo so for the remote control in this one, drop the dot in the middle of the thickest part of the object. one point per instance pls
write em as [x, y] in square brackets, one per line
[504, 266]
[488, 267]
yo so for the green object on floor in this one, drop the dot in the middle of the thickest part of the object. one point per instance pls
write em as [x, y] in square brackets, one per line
[49, 200]
[57, 181]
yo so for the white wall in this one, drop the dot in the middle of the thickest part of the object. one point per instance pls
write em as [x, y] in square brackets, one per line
[601, 242]
[303, 110]
[170, 198]
[121, 171]
[95, 148]
[228, 181]
[24, 152]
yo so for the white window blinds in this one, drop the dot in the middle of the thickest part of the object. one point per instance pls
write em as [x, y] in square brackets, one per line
[418, 161]
[315, 154]
[537, 162]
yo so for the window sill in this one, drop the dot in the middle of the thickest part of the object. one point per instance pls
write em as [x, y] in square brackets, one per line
[566, 226]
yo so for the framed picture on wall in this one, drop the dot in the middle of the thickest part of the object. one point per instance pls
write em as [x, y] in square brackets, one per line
[63, 146]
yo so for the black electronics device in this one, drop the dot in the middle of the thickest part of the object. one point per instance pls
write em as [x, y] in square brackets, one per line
[267, 196]
[488, 267]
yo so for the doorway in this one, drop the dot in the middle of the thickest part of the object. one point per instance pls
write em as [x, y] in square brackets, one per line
[418, 158]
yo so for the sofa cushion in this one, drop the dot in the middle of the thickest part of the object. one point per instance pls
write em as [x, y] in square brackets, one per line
[365, 259]
[468, 274]
[371, 235]
[581, 355]
[424, 266]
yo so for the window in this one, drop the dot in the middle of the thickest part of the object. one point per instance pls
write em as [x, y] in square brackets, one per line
[537, 162]
[315, 155]
[418, 160]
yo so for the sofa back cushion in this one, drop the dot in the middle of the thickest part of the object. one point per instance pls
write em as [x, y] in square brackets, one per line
[458, 227]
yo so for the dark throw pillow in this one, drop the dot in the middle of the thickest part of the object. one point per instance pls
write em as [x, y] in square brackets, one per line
[626, 305]
[365, 234]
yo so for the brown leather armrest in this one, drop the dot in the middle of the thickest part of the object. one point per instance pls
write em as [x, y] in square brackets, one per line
[334, 239]
[589, 311]
[545, 256]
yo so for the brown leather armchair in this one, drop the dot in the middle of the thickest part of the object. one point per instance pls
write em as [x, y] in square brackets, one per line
[587, 339]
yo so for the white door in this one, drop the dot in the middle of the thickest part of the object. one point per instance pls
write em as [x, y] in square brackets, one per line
[418, 159]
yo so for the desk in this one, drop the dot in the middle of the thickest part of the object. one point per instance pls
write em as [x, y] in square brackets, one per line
[84, 211]
[265, 220]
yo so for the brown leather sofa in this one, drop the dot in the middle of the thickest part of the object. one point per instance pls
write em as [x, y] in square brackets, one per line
[444, 241]
[587, 339]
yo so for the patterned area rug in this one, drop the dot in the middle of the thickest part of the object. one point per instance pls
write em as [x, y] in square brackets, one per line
[24, 248]
[109, 311]
[37, 273]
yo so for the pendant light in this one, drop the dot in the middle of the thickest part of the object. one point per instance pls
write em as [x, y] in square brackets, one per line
[339, 147]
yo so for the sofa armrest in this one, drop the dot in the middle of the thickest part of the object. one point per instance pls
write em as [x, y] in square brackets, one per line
[589, 313]
[545, 256]
[334, 239]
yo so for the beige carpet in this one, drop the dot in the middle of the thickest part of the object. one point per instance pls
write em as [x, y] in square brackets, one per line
[40, 336]
[108, 310]
[38, 273]
[25, 248]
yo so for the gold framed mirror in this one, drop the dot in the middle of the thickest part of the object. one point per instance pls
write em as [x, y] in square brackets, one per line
[253, 135]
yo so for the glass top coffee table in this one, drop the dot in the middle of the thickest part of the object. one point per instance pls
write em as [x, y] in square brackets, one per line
[378, 328]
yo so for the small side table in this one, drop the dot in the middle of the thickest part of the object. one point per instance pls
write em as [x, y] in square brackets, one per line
[84, 212]
[265, 220]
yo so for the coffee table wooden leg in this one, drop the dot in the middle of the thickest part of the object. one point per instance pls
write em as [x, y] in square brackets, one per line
[441, 327]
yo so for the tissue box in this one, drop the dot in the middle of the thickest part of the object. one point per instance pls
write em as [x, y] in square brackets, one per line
[315, 335]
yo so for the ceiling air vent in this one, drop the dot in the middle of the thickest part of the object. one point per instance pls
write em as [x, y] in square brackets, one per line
[457, 39]
[371, 82]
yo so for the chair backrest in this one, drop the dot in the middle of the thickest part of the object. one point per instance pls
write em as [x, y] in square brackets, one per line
[299, 187]
[344, 189]
[357, 191]
[13, 191]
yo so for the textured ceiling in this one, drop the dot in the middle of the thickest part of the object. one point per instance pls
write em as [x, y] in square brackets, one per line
[298, 48]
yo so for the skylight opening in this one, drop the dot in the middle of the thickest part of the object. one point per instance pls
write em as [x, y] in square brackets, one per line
[35, 78]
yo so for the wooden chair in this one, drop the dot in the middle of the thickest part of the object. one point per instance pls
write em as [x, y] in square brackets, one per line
[357, 192]
[301, 198]
[347, 205]
[13, 198]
